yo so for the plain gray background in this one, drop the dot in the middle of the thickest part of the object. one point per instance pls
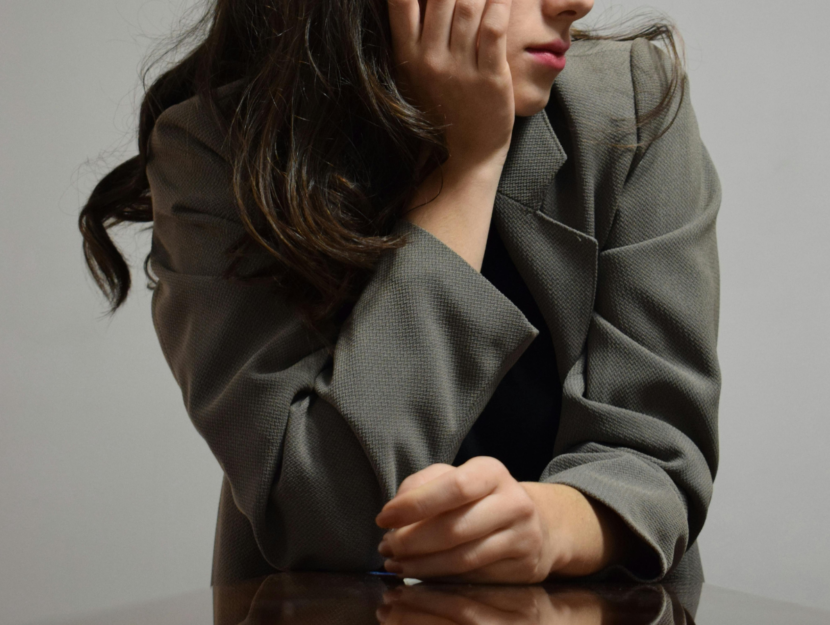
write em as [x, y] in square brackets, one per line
[108, 495]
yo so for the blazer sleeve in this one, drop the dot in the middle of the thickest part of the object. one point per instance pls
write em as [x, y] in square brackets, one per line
[638, 428]
[313, 445]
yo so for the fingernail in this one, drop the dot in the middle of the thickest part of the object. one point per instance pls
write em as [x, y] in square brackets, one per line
[382, 612]
[384, 549]
[393, 566]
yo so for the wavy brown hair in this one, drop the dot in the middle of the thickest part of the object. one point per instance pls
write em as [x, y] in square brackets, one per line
[326, 150]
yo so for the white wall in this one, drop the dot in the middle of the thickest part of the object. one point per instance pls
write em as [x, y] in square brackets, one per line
[108, 493]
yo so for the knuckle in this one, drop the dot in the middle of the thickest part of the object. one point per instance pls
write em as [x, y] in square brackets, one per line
[535, 542]
[539, 569]
[524, 506]
[465, 9]
[501, 469]
[491, 30]
[495, 465]
[432, 63]
[486, 465]
[527, 544]
[526, 553]
[496, 79]
[459, 531]
[518, 548]
[469, 559]
[465, 485]
[498, 471]
[532, 571]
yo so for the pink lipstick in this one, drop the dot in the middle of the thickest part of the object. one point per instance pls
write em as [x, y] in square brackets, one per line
[551, 54]
[556, 61]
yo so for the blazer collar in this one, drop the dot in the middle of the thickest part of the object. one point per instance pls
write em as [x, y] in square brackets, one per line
[557, 262]
[534, 158]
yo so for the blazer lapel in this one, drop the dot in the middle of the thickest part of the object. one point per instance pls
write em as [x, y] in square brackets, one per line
[557, 262]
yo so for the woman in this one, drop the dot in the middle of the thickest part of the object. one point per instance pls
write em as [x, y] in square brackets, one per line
[365, 215]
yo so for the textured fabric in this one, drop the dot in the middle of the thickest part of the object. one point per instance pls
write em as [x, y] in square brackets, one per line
[618, 250]
[518, 425]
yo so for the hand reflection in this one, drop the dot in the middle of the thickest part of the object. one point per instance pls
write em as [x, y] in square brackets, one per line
[528, 605]
[306, 598]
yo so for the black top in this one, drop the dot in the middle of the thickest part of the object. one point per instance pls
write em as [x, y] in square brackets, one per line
[519, 423]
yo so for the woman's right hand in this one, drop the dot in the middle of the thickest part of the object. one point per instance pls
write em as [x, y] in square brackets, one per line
[455, 69]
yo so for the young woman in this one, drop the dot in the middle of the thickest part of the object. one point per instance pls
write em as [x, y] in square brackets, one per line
[441, 303]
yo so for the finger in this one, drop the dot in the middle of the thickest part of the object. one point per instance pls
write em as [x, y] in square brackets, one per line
[506, 571]
[476, 478]
[435, 35]
[492, 49]
[464, 558]
[405, 24]
[464, 524]
[423, 476]
[465, 22]
[512, 574]
[418, 479]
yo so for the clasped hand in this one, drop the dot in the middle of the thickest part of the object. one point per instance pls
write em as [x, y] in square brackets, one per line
[472, 523]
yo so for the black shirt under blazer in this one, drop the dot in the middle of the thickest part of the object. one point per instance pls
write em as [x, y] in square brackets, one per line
[519, 422]
[618, 248]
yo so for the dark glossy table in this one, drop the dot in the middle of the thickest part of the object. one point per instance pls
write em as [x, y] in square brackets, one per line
[337, 599]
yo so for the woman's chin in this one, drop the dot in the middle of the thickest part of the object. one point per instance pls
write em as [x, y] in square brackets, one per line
[529, 99]
[529, 109]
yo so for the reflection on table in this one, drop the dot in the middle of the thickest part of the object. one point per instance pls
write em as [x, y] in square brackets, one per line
[360, 599]
[305, 598]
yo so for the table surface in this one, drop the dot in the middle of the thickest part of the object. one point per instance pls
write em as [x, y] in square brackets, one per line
[343, 599]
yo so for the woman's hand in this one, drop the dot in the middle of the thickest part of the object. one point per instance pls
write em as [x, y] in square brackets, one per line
[474, 522]
[455, 68]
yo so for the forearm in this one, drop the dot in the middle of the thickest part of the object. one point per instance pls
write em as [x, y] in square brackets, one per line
[594, 535]
[460, 215]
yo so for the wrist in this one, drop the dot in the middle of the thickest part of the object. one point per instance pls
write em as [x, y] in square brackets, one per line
[585, 536]
[455, 204]
[487, 168]
[484, 174]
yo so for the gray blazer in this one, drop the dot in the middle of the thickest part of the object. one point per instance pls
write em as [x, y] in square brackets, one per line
[618, 248]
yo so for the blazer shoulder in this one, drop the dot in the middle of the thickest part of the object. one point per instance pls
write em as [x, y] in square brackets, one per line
[622, 75]
[596, 88]
[605, 88]
[189, 160]
[648, 63]
[192, 118]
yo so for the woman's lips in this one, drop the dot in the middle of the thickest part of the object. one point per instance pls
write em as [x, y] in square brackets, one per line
[546, 57]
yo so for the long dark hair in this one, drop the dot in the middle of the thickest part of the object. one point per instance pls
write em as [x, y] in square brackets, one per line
[327, 151]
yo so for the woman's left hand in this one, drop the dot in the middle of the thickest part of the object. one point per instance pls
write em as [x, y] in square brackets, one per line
[471, 523]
